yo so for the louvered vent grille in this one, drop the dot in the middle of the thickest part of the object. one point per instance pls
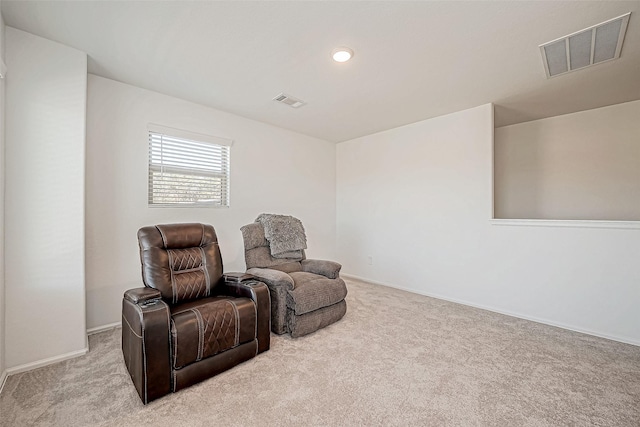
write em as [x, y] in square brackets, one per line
[289, 100]
[591, 46]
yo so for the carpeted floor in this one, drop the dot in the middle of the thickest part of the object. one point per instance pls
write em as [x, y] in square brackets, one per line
[395, 359]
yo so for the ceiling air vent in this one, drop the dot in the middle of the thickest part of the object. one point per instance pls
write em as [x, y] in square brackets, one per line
[593, 45]
[289, 100]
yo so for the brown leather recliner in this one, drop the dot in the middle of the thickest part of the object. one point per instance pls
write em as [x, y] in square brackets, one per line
[190, 322]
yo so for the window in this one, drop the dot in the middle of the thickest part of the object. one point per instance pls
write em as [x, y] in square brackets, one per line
[187, 169]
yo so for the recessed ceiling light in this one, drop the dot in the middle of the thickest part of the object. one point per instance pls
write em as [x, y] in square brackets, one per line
[341, 54]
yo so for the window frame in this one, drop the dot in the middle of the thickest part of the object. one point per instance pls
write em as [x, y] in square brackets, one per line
[182, 139]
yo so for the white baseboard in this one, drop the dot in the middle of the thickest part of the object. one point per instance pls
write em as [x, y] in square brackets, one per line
[103, 328]
[3, 380]
[51, 360]
[44, 362]
[625, 340]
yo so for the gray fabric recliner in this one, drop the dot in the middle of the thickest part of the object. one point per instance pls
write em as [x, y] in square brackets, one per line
[306, 294]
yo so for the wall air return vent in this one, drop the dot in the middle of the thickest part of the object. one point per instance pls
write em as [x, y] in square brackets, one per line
[289, 100]
[593, 45]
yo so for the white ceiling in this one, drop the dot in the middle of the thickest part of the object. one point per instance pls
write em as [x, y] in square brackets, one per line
[413, 60]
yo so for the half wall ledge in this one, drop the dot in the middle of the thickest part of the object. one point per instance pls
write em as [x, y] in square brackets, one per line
[566, 223]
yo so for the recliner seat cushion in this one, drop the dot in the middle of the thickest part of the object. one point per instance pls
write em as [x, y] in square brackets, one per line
[313, 291]
[207, 327]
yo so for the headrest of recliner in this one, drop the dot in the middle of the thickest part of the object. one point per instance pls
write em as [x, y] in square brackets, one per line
[182, 261]
[177, 236]
[253, 235]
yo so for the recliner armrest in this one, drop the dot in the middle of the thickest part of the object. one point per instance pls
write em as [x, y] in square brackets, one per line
[272, 277]
[238, 277]
[145, 342]
[329, 269]
[246, 285]
[142, 295]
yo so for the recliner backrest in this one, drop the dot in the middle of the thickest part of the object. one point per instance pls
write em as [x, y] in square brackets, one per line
[182, 261]
[257, 253]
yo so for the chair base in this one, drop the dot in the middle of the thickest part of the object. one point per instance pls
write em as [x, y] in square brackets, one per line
[207, 368]
[307, 323]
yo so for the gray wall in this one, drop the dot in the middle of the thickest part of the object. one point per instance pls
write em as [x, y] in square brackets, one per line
[582, 166]
[272, 170]
[417, 200]
[46, 93]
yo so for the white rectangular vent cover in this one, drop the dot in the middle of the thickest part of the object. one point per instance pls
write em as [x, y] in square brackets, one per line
[289, 100]
[593, 45]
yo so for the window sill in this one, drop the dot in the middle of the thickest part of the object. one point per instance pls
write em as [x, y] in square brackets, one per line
[566, 223]
[186, 205]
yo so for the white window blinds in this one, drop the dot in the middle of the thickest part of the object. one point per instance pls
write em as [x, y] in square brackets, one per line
[187, 169]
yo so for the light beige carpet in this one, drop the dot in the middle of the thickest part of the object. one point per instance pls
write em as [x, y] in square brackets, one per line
[395, 359]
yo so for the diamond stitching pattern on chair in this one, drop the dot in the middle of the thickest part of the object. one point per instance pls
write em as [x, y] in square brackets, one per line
[220, 327]
[190, 285]
[185, 259]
